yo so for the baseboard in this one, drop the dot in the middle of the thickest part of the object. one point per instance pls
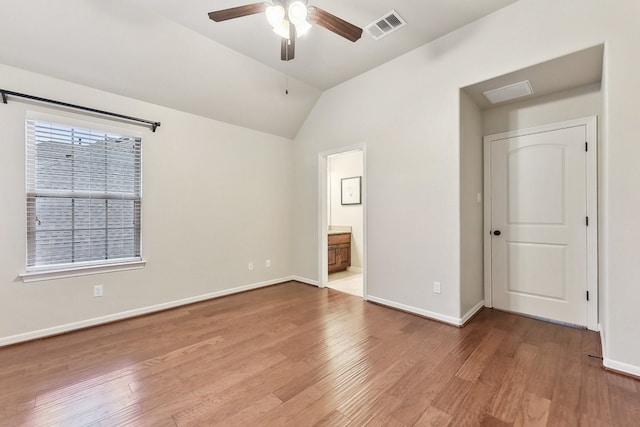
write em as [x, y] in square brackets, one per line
[614, 365]
[471, 313]
[414, 310]
[304, 280]
[621, 368]
[56, 330]
[355, 269]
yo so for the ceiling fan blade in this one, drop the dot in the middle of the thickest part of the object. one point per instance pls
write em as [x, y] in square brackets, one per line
[237, 12]
[288, 47]
[335, 24]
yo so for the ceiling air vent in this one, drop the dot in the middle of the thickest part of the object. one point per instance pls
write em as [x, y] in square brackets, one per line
[509, 92]
[385, 25]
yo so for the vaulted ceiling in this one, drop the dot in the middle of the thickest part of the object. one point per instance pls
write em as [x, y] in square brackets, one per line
[324, 59]
[168, 52]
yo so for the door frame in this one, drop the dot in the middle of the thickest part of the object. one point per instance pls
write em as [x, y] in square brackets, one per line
[590, 124]
[323, 223]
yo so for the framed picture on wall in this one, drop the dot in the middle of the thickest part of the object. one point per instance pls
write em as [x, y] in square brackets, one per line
[350, 191]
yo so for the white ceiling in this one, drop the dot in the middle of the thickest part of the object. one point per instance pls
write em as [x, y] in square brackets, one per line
[324, 59]
[169, 53]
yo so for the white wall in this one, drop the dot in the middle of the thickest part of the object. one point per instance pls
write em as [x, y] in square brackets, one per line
[340, 166]
[408, 112]
[571, 104]
[471, 208]
[412, 181]
[215, 196]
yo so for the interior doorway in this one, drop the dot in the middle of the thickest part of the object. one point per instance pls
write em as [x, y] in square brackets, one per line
[342, 226]
[541, 221]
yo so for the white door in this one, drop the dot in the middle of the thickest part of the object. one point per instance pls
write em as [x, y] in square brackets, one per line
[538, 223]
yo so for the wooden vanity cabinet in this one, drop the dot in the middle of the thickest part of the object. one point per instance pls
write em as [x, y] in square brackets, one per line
[339, 251]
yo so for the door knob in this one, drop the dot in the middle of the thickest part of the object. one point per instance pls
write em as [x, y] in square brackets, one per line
[497, 233]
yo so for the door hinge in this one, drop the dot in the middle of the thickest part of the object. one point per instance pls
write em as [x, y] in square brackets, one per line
[587, 220]
[587, 295]
[586, 146]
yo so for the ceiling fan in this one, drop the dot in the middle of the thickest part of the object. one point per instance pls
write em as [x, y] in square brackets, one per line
[289, 19]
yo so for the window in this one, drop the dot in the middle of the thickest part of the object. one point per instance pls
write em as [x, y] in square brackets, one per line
[83, 196]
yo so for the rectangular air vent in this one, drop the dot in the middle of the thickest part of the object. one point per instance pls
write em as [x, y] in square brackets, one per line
[509, 92]
[385, 25]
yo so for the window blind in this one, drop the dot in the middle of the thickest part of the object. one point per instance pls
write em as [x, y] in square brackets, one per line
[83, 195]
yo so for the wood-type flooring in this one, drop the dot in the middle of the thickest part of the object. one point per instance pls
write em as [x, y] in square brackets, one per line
[295, 355]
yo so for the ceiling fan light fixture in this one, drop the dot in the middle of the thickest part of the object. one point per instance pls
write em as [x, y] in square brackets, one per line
[302, 28]
[298, 12]
[275, 15]
[282, 29]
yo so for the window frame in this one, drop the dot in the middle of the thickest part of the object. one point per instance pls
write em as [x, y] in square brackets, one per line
[81, 268]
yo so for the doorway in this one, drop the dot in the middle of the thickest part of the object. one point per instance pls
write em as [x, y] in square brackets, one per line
[342, 226]
[541, 222]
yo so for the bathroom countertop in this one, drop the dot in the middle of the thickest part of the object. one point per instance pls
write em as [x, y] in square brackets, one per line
[338, 232]
[339, 229]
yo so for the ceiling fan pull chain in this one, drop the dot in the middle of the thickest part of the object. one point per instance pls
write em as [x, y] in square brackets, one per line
[286, 79]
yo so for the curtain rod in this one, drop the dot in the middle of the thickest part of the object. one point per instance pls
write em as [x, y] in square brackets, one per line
[152, 124]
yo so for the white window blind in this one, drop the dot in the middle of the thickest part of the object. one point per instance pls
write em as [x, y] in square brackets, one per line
[83, 195]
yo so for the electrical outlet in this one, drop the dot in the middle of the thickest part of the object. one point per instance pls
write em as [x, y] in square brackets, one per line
[267, 263]
[98, 291]
[250, 265]
[436, 287]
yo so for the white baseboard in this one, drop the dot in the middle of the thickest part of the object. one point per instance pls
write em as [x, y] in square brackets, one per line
[608, 363]
[474, 310]
[425, 313]
[355, 269]
[304, 280]
[56, 330]
[621, 367]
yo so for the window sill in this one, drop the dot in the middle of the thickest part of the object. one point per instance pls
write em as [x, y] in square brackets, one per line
[74, 271]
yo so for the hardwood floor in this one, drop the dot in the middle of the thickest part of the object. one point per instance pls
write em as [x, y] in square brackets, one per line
[296, 355]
